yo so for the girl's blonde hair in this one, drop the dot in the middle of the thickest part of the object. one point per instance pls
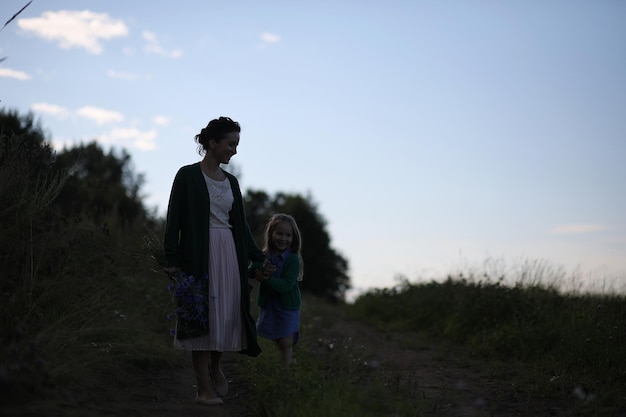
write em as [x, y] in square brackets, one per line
[296, 240]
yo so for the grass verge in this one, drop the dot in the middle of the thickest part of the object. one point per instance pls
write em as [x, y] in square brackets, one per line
[552, 345]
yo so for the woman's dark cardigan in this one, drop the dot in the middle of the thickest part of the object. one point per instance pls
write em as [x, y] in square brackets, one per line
[186, 243]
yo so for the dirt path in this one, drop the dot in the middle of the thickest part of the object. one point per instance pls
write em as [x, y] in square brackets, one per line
[428, 372]
[446, 381]
[446, 378]
[171, 394]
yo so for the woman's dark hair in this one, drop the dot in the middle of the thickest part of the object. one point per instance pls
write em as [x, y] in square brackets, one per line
[215, 130]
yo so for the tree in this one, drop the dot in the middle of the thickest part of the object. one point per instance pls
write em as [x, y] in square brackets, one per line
[100, 184]
[325, 270]
[27, 188]
[63, 275]
[27, 133]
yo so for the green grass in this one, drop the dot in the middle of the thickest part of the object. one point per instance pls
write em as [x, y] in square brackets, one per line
[332, 376]
[558, 345]
[540, 345]
[81, 305]
[70, 336]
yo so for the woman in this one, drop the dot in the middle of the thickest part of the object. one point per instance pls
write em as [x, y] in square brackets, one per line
[207, 237]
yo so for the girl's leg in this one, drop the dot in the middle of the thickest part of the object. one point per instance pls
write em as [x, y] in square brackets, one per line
[200, 359]
[286, 352]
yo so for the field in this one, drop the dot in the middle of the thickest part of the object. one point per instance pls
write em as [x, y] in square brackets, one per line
[457, 348]
[460, 347]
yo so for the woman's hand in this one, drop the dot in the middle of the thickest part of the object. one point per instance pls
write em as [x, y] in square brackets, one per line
[260, 276]
[268, 268]
[170, 271]
[264, 274]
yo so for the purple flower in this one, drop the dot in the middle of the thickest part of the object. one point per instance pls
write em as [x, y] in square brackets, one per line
[190, 298]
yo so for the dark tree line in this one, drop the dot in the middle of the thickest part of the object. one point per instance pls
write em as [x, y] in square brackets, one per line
[325, 270]
[102, 187]
[97, 185]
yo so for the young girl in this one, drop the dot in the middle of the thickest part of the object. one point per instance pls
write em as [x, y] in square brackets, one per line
[279, 296]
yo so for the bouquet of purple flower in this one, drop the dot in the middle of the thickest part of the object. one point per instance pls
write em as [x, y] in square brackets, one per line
[190, 298]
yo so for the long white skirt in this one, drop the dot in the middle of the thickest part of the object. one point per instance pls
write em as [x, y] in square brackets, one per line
[226, 333]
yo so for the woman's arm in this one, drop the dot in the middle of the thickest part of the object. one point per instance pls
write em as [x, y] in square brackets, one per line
[255, 254]
[173, 223]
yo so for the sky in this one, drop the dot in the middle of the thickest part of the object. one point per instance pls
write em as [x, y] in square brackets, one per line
[434, 137]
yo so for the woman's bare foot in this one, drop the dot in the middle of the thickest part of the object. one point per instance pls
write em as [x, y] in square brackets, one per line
[209, 401]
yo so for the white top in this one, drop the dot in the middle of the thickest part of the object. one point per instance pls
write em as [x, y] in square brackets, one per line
[221, 201]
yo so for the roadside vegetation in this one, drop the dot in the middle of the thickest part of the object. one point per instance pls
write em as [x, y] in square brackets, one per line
[81, 305]
[561, 351]
[335, 375]
[553, 344]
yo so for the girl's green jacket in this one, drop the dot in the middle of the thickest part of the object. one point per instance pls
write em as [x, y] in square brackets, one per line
[286, 286]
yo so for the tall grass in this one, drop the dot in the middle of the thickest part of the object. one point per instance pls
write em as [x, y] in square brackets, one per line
[332, 375]
[81, 308]
[569, 345]
[540, 272]
[535, 344]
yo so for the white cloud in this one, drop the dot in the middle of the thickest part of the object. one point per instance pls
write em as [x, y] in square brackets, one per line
[161, 120]
[52, 109]
[270, 37]
[61, 144]
[122, 75]
[131, 137]
[100, 116]
[96, 114]
[75, 29]
[18, 75]
[154, 47]
[576, 229]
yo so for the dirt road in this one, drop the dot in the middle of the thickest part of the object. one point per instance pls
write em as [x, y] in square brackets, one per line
[171, 394]
[444, 378]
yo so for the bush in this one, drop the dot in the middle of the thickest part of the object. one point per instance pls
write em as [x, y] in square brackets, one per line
[558, 341]
[74, 292]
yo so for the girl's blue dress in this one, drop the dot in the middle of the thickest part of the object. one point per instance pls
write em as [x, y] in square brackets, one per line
[274, 321]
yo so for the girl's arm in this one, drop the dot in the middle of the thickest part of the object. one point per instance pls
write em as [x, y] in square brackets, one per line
[289, 275]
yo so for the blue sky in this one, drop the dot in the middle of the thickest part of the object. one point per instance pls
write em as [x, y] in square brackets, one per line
[434, 136]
